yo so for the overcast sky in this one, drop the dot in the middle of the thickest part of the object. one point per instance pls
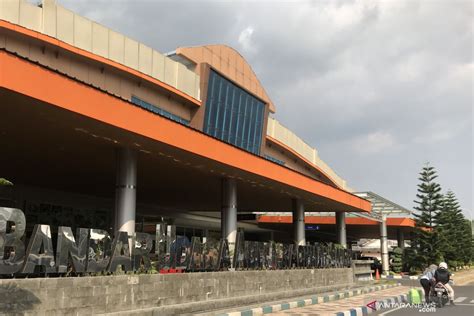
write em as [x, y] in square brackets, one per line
[379, 88]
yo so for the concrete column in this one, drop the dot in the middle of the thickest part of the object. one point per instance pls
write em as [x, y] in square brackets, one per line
[384, 245]
[341, 228]
[400, 239]
[223, 221]
[229, 210]
[298, 223]
[272, 236]
[125, 191]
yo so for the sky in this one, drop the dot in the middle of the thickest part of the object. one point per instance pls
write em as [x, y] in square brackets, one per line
[378, 87]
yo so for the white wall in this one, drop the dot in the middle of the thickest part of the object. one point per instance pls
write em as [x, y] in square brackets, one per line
[290, 139]
[65, 25]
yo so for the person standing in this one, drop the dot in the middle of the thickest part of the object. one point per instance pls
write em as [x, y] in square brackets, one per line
[426, 280]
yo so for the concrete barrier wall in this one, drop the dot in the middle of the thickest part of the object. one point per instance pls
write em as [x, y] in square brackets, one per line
[362, 270]
[109, 294]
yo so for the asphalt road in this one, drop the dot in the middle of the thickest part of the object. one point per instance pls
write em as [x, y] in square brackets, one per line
[464, 300]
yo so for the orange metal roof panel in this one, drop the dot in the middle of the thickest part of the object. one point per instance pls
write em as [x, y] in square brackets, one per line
[53, 41]
[331, 220]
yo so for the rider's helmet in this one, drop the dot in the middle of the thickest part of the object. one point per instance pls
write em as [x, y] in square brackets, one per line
[443, 265]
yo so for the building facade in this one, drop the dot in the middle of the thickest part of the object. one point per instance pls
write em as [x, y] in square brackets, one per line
[97, 127]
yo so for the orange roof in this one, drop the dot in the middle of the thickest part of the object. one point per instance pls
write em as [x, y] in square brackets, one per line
[53, 41]
[331, 220]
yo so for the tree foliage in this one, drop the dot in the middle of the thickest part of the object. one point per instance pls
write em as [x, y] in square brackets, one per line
[429, 203]
[5, 182]
[396, 259]
[454, 231]
[442, 233]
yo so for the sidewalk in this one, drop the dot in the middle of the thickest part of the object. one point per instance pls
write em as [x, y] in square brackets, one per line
[463, 277]
[296, 304]
[332, 308]
[401, 277]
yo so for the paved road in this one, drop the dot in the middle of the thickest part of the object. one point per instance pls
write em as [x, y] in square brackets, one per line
[464, 300]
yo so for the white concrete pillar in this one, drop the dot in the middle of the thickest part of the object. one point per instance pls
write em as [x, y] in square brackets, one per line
[341, 228]
[400, 239]
[125, 191]
[384, 245]
[229, 210]
[298, 223]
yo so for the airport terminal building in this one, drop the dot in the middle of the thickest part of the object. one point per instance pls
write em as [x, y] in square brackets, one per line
[100, 130]
[103, 135]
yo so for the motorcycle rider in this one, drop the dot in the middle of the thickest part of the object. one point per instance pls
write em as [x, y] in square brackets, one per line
[443, 275]
[427, 280]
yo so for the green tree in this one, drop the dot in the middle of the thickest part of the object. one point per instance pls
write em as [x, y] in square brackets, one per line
[396, 257]
[409, 260]
[448, 222]
[429, 203]
[466, 243]
[454, 232]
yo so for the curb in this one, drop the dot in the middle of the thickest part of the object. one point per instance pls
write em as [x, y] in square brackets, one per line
[364, 310]
[309, 301]
[400, 277]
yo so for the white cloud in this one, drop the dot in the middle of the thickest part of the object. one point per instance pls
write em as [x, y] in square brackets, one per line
[245, 40]
[441, 131]
[375, 142]
[348, 14]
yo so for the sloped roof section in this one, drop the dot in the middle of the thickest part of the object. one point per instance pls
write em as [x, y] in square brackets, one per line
[279, 134]
[231, 64]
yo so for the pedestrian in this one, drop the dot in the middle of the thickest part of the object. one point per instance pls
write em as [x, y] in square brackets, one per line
[426, 280]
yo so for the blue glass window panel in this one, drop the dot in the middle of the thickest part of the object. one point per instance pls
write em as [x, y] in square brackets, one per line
[209, 105]
[240, 120]
[227, 113]
[253, 116]
[259, 127]
[233, 115]
[154, 109]
[212, 97]
[222, 109]
[218, 106]
[215, 106]
[245, 121]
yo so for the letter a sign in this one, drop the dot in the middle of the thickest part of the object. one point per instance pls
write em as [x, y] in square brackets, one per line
[371, 305]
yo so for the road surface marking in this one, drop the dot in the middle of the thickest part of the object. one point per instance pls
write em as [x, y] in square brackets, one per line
[392, 310]
[460, 299]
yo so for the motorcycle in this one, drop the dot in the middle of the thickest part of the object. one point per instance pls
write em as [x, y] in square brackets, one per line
[439, 295]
